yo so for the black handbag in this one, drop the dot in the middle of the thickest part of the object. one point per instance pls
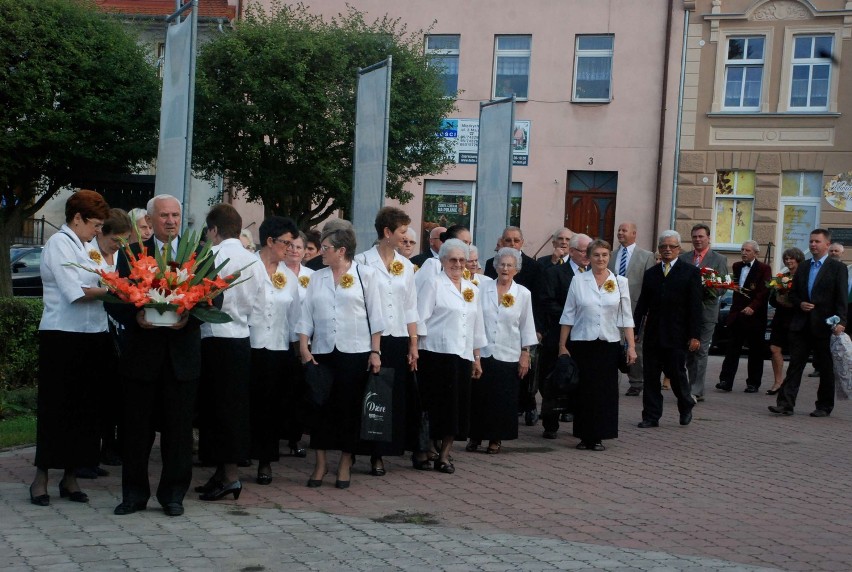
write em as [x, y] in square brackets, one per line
[318, 381]
[376, 407]
[563, 380]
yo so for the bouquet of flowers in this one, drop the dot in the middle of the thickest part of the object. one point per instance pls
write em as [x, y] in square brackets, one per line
[167, 282]
[781, 283]
[713, 282]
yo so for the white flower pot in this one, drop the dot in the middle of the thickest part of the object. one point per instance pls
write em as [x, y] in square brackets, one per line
[167, 318]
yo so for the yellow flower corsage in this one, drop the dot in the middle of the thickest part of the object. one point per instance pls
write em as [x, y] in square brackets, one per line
[96, 256]
[609, 286]
[475, 282]
[279, 280]
[416, 268]
[467, 294]
[304, 281]
[507, 300]
[346, 281]
[466, 274]
[396, 267]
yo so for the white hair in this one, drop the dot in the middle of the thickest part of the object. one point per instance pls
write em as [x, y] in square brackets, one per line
[754, 245]
[412, 234]
[453, 244]
[668, 234]
[156, 198]
[136, 214]
[506, 251]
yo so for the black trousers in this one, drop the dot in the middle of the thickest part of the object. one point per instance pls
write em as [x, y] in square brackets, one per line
[672, 363]
[740, 336]
[801, 345]
[165, 404]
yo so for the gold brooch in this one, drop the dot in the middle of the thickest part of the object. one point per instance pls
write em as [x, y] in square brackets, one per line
[96, 256]
[609, 286]
[467, 294]
[507, 300]
[346, 281]
[396, 267]
[279, 280]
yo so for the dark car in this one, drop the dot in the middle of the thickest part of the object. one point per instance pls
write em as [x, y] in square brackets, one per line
[721, 335]
[26, 270]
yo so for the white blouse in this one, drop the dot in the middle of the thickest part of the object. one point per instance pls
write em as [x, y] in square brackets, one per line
[592, 312]
[103, 265]
[448, 323]
[65, 308]
[508, 329]
[398, 295]
[305, 274]
[334, 316]
[430, 270]
[238, 301]
[272, 325]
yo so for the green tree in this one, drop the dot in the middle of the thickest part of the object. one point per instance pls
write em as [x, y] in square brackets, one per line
[80, 98]
[275, 109]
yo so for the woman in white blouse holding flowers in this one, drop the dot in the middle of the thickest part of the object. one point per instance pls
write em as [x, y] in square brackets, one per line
[509, 327]
[395, 279]
[451, 334]
[342, 318]
[598, 305]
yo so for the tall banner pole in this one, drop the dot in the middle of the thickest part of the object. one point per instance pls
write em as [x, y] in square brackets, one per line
[493, 171]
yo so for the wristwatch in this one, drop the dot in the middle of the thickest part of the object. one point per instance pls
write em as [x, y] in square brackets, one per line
[377, 352]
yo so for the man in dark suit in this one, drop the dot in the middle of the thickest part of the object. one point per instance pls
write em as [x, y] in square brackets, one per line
[747, 319]
[668, 318]
[702, 256]
[819, 292]
[161, 367]
[551, 301]
[559, 241]
[530, 273]
[434, 246]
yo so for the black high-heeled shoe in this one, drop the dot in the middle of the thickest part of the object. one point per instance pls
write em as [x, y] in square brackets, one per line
[316, 483]
[773, 391]
[234, 488]
[73, 496]
[209, 486]
[40, 500]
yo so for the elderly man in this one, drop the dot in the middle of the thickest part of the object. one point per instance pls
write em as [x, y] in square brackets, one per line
[702, 256]
[559, 240]
[835, 250]
[747, 319]
[160, 367]
[631, 261]
[530, 273]
[435, 243]
[668, 318]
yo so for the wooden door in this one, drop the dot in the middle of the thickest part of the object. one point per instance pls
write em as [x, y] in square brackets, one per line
[590, 203]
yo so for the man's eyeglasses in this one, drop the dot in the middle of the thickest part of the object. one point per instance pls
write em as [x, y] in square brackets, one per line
[668, 246]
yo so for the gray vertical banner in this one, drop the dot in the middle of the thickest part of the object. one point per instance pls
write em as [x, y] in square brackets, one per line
[371, 150]
[493, 171]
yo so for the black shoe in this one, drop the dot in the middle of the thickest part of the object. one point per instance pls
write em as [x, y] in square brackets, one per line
[566, 418]
[751, 389]
[530, 418]
[686, 418]
[819, 413]
[173, 509]
[263, 479]
[724, 386]
[780, 410]
[445, 467]
[772, 391]
[377, 467]
[86, 473]
[633, 392]
[814, 373]
[234, 488]
[209, 486]
[341, 484]
[549, 434]
[296, 450]
[129, 507]
[73, 496]
[645, 424]
[40, 500]
[316, 483]
[424, 465]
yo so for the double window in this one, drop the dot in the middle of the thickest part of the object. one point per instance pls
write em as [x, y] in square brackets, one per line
[593, 68]
[744, 73]
[811, 72]
[733, 209]
[442, 52]
[512, 66]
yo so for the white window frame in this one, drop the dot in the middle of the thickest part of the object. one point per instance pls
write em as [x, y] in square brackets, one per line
[445, 52]
[720, 82]
[498, 53]
[810, 63]
[738, 198]
[834, 78]
[589, 53]
[789, 201]
[745, 64]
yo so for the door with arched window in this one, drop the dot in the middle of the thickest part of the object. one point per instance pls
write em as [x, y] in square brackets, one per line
[590, 203]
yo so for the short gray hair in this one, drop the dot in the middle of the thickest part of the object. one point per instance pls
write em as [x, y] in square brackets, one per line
[575, 240]
[512, 228]
[753, 244]
[136, 214]
[506, 251]
[337, 224]
[556, 233]
[156, 198]
[668, 234]
[412, 234]
[453, 244]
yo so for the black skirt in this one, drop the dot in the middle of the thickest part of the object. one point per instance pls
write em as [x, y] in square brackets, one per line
[67, 430]
[223, 398]
[336, 426]
[445, 389]
[780, 327]
[394, 355]
[596, 414]
[494, 402]
[270, 373]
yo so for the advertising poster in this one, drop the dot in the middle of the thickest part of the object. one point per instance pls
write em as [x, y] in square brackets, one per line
[464, 138]
[446, 203]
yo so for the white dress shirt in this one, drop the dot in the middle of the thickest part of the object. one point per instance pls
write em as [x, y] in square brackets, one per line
[448, 323]
[398, 294]
[65, 308]
[593, 313]
[272, 325]
[336, 317]
[508, 329]
[237, 302]
[480, 280]
[159, 245]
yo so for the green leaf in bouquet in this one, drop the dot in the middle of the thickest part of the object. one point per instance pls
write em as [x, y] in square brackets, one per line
[210, 314]
[111, 299]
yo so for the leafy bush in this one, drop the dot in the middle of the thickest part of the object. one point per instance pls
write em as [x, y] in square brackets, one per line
[19, 320]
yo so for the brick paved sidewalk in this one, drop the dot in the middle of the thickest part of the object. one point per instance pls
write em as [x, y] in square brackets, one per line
[737, 487]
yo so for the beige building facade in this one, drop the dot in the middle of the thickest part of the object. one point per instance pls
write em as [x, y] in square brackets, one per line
[765, 148]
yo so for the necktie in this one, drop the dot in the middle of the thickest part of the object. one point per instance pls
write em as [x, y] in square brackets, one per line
[561, 261]
[666, 268]
[622, 266]
[581, 268]
[697, 260]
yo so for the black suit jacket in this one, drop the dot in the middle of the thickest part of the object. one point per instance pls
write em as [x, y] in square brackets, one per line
[552, 293]
[828, 297]
[145, 352]
[668, 313]
[545, 262]
[756, 298]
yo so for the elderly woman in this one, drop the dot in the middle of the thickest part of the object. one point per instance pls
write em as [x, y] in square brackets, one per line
[451, 334]
[294, 259]
[509, 327]
[271, 330]
[780, 300]
[407, 244]
[395, 278]
[432, 267]
[342, 318]
[72, 330]
[473, 271]
[598, 304]
[142, 229]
